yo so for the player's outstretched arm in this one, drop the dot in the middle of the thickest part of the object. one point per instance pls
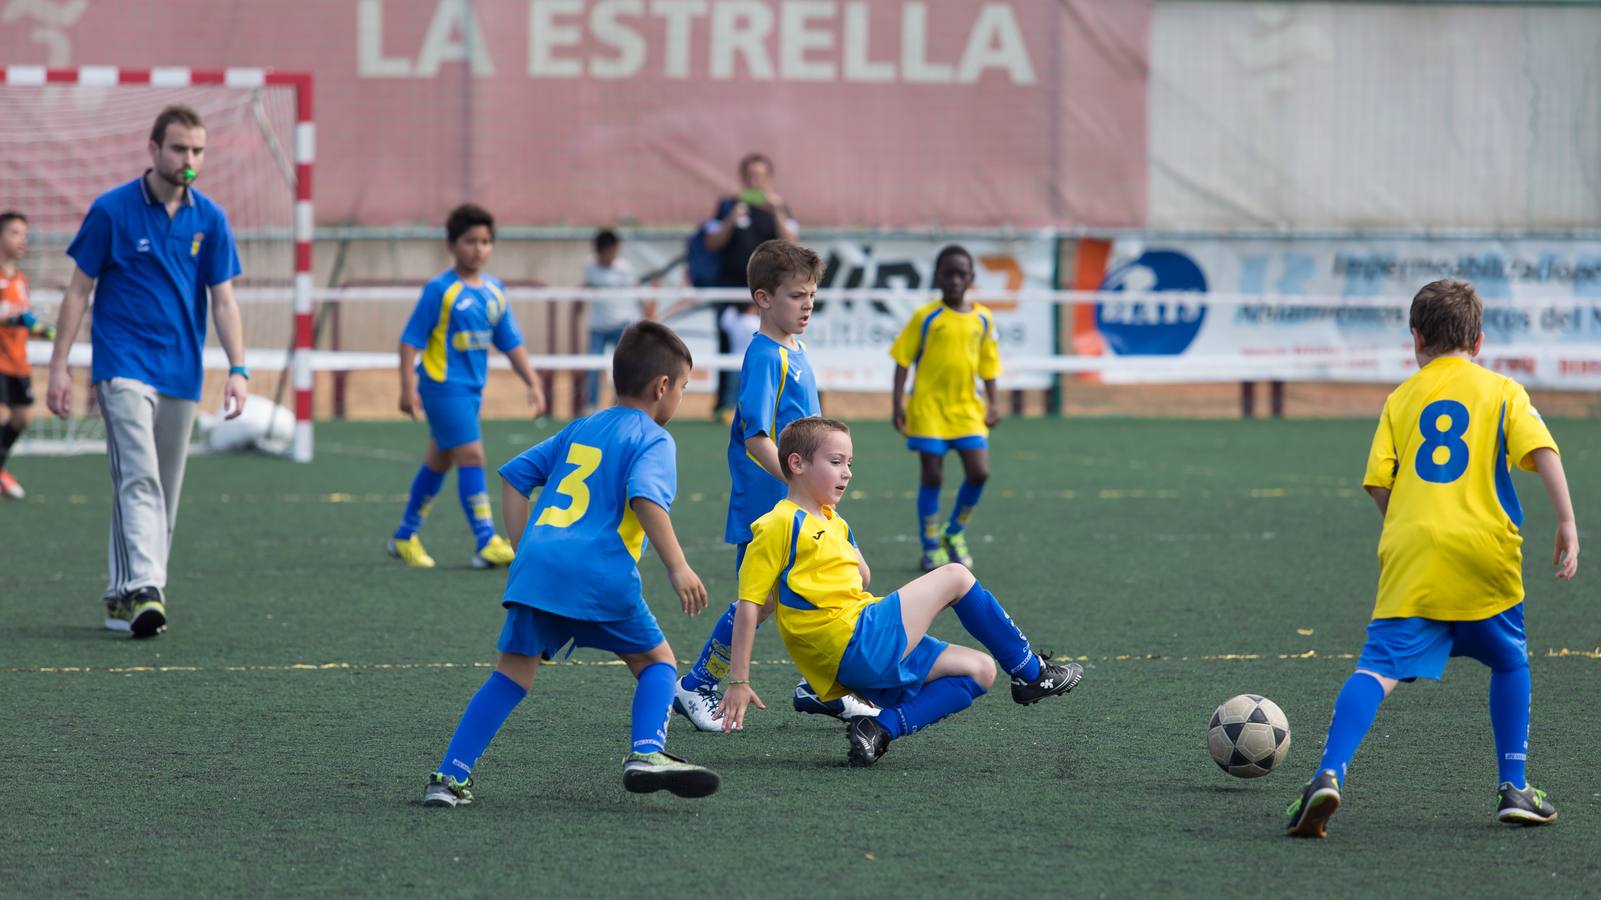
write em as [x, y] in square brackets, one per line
[58, 396]
[765, 452]
[518, 357]
[659, 529]
[514, 509]
[739, 695]
[1566, 555]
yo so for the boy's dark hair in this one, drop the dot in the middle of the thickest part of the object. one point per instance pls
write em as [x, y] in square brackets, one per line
[9, 216]
[950, 250]
[804, 436]
[777, 260]
[466, 217]
[177, 114]
[647, 351]
[1448, 315]
[751, 159]
[605, 239]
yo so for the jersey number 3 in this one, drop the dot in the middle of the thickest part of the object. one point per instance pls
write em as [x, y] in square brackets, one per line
[587, 460]
[1444, 455]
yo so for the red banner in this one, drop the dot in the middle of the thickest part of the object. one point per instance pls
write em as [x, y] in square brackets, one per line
[886, 113]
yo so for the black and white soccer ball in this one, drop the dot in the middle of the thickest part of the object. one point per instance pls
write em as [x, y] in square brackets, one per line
[1248, 736]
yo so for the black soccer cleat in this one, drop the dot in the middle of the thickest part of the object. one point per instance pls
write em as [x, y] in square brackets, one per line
[1525, 807]
[1052, 680]
[1309, 814]
[868, 740]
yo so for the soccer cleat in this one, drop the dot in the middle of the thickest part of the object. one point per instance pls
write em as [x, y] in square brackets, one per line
[868, 741]
[445, 790]
[410, 552]
[956, 547]
[119, 615]
[847, 707]
[647, 773]
[147, 615]
[934, 557]
[9, 487]
[699, 706]
[1524, 807]
[1052, 680]
[1309, 814]
[496, 552]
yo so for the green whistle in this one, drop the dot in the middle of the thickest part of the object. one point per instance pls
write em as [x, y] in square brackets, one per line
[190, 174]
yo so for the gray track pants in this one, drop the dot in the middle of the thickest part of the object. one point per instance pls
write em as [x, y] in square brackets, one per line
[147, 445]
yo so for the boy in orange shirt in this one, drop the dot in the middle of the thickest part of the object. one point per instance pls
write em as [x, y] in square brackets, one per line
[17, 323]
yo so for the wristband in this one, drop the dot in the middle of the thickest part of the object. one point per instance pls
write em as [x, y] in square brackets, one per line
[732, 681]
[241, 371]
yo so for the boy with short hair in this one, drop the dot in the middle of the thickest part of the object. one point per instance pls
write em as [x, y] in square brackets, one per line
[803, 556]
[776, 387]
[17, 324]
[607, 318]
[575, 579]
[461, 314]
[1450, 557]
[952, 344]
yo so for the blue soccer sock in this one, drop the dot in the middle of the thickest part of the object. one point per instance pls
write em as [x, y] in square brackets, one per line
[475, 503]
[1354, 711]
[928, 515]
[424, 487]
[1509, 717]
[653, 703]
[983, 617]
[485, 714]
[712, 666]
[938, 699]
[967, 497]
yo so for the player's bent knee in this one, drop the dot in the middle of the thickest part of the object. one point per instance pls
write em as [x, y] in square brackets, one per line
[985, 671]
[959, 577]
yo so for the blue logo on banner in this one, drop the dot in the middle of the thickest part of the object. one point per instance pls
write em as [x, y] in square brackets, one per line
[1148, 326]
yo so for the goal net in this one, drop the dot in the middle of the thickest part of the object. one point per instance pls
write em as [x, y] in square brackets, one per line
[70, 135]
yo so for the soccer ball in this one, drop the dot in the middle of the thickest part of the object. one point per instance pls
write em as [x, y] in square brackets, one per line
[1248, 736]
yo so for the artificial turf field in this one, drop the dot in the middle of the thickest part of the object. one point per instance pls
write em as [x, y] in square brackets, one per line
[275, 740]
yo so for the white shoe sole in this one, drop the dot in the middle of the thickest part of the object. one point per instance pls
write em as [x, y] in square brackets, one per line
[122, 626]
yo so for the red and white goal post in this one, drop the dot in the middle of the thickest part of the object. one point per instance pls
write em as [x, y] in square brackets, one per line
[72, 134]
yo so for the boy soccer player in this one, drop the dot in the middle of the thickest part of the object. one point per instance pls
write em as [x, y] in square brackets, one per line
[1450, 557]
[575, 579]
[951, 343]
[843, 639]
[17, 324]
[776, 387]
[461, 314]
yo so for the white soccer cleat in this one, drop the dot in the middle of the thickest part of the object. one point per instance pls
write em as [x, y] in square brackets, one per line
[699, 706]
[846, 708]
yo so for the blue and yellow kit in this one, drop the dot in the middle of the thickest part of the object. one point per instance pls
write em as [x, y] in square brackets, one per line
[454, 324]
[810, 564]
[1445, 447]
[949, 352]
[776, 387]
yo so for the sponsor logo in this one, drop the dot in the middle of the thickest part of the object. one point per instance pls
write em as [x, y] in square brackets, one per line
[1150, 326]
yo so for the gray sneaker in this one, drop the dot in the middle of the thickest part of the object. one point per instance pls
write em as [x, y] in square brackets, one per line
[445, 790]
[646, 773]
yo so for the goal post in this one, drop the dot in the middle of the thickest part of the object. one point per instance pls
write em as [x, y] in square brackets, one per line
[72, 134]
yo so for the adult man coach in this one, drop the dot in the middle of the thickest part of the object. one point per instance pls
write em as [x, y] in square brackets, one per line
[155, 246]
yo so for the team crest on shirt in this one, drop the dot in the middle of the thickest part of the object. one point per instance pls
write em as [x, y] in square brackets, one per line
[194, 246]
[143, 245]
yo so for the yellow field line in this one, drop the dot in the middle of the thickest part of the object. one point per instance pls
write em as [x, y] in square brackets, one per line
[1550, 653]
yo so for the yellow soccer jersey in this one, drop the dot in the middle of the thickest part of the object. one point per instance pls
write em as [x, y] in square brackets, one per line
[1445, 445]
[810, 564]
[949, 352]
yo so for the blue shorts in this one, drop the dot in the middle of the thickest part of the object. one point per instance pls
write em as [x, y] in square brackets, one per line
[452, 416]
[535, 632]
[941, 446]
[1406, 649]
[876, 666]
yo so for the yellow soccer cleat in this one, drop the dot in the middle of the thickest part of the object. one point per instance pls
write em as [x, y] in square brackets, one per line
[410, 552]
[498, 552]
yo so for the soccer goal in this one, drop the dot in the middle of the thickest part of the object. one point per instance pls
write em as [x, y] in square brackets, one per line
[72, 134]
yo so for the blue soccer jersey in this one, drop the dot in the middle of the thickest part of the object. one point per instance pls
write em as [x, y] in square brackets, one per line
[776, 387]
[578, 556]
[454, 324]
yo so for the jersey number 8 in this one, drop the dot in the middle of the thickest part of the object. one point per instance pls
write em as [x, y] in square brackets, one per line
[1444, 455]
[587, 460]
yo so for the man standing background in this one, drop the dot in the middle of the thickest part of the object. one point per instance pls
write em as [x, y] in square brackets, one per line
[156, 247]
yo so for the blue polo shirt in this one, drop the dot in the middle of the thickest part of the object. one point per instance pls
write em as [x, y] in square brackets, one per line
[152, 272]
